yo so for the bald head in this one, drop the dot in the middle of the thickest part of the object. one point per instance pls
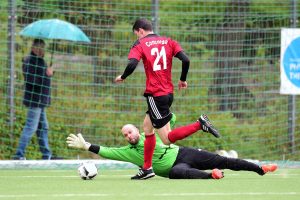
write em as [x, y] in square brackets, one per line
[131, 133]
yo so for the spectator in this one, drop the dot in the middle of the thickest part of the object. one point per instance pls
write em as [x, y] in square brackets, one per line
[37, 79]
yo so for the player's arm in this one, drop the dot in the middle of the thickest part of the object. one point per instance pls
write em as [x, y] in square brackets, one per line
[185, 64]
[132, 64]
[185, 69]
[122, 153]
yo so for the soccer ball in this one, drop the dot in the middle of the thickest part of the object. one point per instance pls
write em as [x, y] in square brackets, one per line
[87, 170]
[222, 153]
[233, 154]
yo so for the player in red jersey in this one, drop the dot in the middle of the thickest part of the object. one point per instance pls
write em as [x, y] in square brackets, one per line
[157, 53]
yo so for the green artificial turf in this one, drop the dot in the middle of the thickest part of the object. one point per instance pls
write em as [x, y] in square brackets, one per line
[116, 184]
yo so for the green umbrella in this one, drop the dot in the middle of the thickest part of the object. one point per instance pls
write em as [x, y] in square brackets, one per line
[54, 29]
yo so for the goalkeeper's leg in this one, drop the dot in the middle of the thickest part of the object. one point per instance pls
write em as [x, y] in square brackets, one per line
[204, 160]
[184, 171]
[236, 164]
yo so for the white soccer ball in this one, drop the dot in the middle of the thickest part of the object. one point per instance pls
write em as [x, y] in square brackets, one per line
[233, 154]
[87, 170]
[222, 153]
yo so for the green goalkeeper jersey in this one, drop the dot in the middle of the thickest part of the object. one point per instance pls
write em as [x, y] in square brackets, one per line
[163, 158]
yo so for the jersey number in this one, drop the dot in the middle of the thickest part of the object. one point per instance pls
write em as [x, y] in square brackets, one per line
[159, 54]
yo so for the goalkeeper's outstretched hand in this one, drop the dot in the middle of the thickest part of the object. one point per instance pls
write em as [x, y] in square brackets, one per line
[77, 141]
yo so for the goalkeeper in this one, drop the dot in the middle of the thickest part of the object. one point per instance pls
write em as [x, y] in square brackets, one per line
[169, 161]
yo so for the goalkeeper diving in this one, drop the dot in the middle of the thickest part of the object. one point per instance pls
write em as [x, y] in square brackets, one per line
[170, 161]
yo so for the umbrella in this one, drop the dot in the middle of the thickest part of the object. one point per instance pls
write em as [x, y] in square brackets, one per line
[54, 29]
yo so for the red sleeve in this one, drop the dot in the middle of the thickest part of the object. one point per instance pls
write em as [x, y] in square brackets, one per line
[176, 47]
[135, 52]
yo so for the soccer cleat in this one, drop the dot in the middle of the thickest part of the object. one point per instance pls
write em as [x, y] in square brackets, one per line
[207, 126]
[217, 174]
[143, 174]
[269, 168]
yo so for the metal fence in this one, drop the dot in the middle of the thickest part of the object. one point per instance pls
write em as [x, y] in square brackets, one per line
[234, 47]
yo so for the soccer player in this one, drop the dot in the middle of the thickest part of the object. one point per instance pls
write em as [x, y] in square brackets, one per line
[157, 53]
[170, 161]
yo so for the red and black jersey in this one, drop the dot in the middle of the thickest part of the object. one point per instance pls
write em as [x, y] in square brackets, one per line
[157, 53]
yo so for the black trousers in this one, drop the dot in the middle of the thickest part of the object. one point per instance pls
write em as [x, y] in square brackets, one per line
[191, 163]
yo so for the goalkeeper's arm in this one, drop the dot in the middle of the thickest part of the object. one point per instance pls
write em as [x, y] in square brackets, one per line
[77, 141]
[125, 153]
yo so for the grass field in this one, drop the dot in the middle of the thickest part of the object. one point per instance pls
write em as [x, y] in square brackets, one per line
[116, 184]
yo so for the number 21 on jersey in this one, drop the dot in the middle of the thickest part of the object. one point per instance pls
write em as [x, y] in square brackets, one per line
[159, 54]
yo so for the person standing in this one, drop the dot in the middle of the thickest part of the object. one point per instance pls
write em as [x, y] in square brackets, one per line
[157, 53]
[37, 91]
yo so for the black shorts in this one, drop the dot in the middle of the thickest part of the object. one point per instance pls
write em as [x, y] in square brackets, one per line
[159, 109]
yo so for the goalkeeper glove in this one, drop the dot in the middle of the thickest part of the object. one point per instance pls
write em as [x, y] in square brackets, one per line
[77, 142]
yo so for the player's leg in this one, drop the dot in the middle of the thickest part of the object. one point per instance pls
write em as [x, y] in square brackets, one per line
[203, 160]
[235, 164]
[240, 164]
[158, 115]
[194, 158]
[184, 171]
[163, 133]
[207, 126]
[149, 145]
[182, 132]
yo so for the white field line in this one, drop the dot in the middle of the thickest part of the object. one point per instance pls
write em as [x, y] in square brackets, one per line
[3, 196]
[126, 175]
[72, 176]
[229, 194]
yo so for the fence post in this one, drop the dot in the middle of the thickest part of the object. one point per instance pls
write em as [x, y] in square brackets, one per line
[292, 98]
[11, 63]
[155, 8]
